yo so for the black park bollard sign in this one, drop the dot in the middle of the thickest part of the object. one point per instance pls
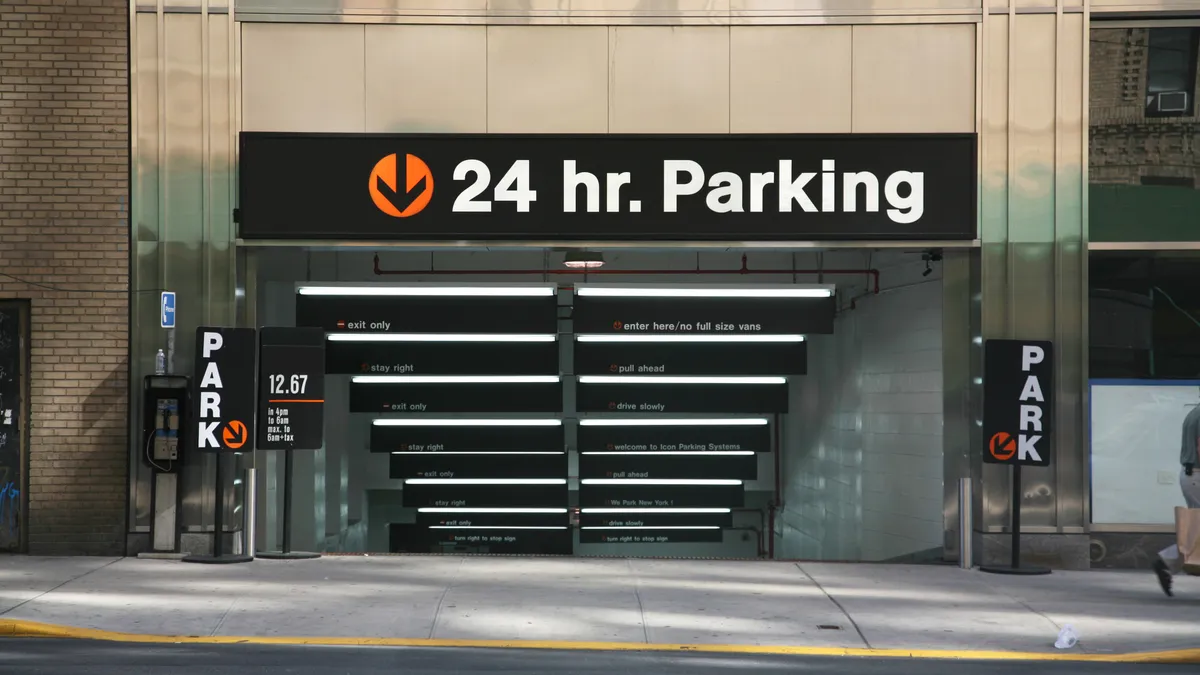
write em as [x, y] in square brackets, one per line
[1018, 402]
[224, 404]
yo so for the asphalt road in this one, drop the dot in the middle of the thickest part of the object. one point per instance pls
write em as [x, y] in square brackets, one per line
[78, 657]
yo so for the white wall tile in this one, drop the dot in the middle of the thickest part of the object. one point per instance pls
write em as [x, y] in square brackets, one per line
[664, 81]
[547, 79]
[424, 78]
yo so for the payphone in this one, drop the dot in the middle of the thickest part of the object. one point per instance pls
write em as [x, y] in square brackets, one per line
[165, 405]
[164, 408]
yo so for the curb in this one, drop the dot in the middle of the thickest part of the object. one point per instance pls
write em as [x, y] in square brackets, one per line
[33, 629]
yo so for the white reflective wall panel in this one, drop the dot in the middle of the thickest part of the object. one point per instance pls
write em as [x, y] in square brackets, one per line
[669, 80]
[914, 78]
[547, 79]
[426, 78]
[620, 79]
[303, 77]
[790, 79]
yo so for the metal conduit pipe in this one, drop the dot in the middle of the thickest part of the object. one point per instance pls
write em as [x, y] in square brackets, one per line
[873, 273]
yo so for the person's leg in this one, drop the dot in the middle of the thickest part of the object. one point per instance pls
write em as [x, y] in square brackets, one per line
[1191, 488]
[1169, 563]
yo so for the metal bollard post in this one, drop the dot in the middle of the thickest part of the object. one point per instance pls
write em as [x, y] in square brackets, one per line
[249, 499]
[966, 552]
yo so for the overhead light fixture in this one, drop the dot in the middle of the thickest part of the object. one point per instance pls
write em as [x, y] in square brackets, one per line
[651, 527]
[441, 337]
[667, 337]
[652, 379]
[430, 290]
[700, 509]
[583, 260]
[464, 509]
[659, 481]
[485, 481]
[682, 422]
[696, 453]
[479, 452]
[702, 292]
[489, 509]
[497, 527]
[465, 422]
[454, 379]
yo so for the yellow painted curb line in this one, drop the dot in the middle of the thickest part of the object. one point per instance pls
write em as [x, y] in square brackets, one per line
[34, 629]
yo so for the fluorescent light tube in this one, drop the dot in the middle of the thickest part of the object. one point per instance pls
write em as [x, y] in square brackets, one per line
[441, 337]
[485, 481]
[663, 379]
[464, 509]
[672, 337]
[497, 527]
[682, 422]
[454, 379]
[506, 452]
[654, 527]
[678, 453]
[669, 510]
[700, 292]
[430, 291]
[659, 481]
[466, 422]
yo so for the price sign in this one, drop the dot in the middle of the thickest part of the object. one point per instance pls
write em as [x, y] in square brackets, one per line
[291, 396]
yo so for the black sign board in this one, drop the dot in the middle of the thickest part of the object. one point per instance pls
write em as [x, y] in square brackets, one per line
[518, 397]
[740, 467]
[637, 536]
[674, 438]
[491, 465]
[641, 496]
[682, 398]
[442, 358]
[291, 389]
[428, 314]
[606, 187]
[224, 402]
[703, 316]
[650, 519]
[484, 496]
[409, 538]
[1018, 402]
[690, 358]
[482, 438]
[510, 519]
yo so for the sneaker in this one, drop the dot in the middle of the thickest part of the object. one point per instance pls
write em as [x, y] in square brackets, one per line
[1164, 577]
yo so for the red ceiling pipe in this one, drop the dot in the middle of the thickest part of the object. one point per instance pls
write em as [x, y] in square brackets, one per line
[874, 273]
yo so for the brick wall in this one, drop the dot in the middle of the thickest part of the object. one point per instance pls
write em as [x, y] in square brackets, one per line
[1125, 145]
[64, 119]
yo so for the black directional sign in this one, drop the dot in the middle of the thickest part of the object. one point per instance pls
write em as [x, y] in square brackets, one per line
[1018, 402]
[291, 389]
[223, 405]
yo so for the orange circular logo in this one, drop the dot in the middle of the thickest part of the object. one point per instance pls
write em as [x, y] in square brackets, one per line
[1002, 446]
[234, 435]
[401, 198]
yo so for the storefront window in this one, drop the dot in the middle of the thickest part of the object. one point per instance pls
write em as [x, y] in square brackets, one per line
[1144, 277]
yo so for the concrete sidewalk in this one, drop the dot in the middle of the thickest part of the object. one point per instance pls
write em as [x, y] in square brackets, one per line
[607, 600]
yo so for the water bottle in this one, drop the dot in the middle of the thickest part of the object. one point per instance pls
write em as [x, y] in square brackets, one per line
[160, 363]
